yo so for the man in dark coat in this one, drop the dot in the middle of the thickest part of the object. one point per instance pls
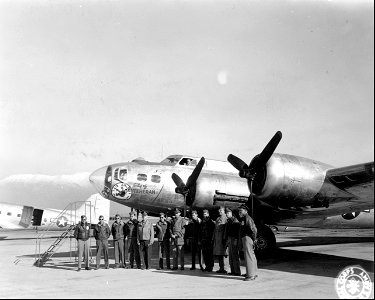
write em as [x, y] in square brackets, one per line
[164, 235]
[118, 233]
[195, 226]
[232, 236]
[82, 235]
[207, 231]
[131, 235]
[101, 234]
[248, 234]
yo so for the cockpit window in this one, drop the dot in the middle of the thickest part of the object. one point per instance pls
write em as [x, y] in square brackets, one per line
[186, 161]
[142, 177]
[171, 160]
[121, 174]
[155, 178]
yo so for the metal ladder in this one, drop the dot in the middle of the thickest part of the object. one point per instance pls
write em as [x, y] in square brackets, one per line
[70, 212]
[54, 247]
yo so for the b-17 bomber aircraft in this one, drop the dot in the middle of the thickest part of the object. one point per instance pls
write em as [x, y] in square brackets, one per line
[279, 189]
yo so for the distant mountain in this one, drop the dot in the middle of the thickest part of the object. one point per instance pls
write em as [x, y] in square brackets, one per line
[45, 191]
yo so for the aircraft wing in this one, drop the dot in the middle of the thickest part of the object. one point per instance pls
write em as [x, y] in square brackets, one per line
[9, 225]
[347, 189]
[357, 180]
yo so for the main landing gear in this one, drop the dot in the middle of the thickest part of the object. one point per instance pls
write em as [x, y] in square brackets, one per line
[266, 241]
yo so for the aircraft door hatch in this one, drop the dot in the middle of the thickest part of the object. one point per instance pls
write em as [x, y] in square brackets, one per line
[26, 217]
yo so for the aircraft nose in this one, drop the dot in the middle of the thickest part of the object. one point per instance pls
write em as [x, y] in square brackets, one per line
[97, 179]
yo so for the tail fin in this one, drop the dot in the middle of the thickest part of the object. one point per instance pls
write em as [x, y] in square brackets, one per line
[100, 207]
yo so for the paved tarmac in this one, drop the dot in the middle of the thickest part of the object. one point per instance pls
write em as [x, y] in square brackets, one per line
[305, 266]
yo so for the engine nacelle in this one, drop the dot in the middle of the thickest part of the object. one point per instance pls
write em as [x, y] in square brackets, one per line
[289, 180]
[210, 184]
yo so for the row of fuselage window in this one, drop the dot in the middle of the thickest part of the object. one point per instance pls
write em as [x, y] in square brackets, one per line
[9, 214]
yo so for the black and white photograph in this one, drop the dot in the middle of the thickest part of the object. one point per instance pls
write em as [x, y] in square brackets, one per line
[195, 149]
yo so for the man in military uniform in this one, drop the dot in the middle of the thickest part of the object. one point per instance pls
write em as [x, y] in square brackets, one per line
[101, 234]
[131, 235]
[163, 234]
[207, 231]
[177, 234]
[82, 234]
[220, 249]
[195, 226]
[118, 233]
[145, 239]
[232, 236]
[248, 234]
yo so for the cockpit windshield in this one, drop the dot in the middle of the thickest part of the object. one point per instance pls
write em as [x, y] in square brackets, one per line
[171, 160]
[187, 161]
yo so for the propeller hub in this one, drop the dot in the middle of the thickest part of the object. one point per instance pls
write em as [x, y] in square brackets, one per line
[255, 172]
[248, 174]
[181, 190]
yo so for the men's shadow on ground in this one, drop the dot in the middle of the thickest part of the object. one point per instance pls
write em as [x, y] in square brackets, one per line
[283, 260]
[309, 263]
[297, 262]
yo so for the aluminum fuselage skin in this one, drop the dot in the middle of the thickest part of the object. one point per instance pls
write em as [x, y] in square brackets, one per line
[289, 183]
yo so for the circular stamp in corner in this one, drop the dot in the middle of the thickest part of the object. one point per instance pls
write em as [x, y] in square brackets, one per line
[353, 282]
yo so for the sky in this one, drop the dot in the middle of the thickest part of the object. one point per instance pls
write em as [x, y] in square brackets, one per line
[84, 84]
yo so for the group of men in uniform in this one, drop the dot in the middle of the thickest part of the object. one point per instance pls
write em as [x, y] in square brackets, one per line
[209, 239]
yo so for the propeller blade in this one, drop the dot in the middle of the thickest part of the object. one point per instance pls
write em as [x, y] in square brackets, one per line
[178, 181]
[194, 176]
[236, 162]
[267, 152]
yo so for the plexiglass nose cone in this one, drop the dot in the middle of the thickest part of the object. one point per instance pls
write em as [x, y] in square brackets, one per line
[97, 179]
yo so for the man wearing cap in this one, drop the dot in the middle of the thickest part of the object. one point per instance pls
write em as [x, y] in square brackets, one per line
[82, 234]
[131, 235]
[232, 236]
[220, 249]
[177, 234]
[118, 233]
[145, 239]
[248, 234]
[206, 234]
[164, 236]
[101, 234]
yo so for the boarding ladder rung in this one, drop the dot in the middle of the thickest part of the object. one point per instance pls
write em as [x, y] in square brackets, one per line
[54, 247]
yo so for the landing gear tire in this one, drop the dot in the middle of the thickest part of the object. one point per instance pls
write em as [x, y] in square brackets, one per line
[266, 241]
[274, 228]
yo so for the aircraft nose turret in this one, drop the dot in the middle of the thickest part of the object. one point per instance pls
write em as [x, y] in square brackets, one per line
[97, 179]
